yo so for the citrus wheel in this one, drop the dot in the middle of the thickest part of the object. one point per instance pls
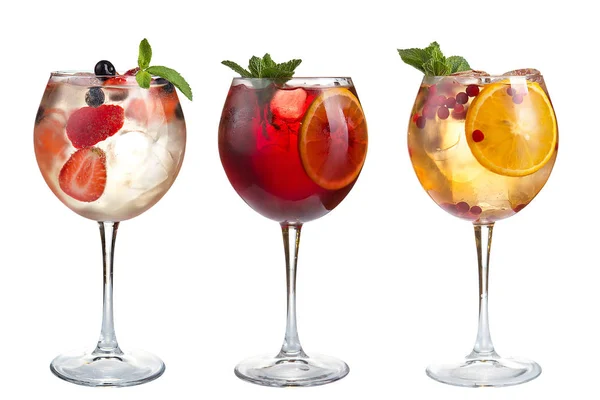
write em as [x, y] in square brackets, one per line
[333, 139]
[512, 131]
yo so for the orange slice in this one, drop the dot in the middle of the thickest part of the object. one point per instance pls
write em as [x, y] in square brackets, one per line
[511, 130]
[333, 139]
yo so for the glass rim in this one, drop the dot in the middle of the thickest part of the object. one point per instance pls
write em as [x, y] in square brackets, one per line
[482, 77]
[293, 78]
[129, 79]
[295, 81]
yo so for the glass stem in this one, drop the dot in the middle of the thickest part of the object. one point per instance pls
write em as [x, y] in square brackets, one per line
[483, 345]
[107, 344]
[291, 243]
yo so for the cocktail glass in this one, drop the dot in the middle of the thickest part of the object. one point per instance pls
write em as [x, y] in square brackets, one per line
[109, 150]
[292, 150]
[483, 147]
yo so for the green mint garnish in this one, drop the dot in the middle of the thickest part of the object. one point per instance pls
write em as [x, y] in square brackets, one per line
[431, 60]
[265, 67]
[144, 75]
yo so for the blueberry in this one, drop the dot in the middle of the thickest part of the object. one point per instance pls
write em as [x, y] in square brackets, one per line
[118, 94]
[40, 115]
[104, 68]
[178, 111]
[94, 97]
[167, 86]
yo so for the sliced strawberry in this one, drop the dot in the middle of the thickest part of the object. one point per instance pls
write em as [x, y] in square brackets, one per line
[88, 125]
[83, 177]
[116, 81]
[132, 71]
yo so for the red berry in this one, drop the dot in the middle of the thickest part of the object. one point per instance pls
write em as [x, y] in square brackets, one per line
[88, 125]
[462, 207]
[451, 102]
[477, 136]
[450, 207]
[421, 122]
[415, 117]
[462, 98]
[517, 98]
[472, 90]
[132, 71]
[519, 207]
[510, 91]
[116, 81]
[432, 91]
[429, 111]
[476, 210]
[459, 112]
[439, 100]
[443, 112]
[83, 177]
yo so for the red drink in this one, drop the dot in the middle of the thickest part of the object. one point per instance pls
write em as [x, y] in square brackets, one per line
[292, 151]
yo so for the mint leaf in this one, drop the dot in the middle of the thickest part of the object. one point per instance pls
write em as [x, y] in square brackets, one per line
[436, 67]
[265, 67]
[143, 79]
[256, 67]
[431, 60]
[145, 54]
[414, 57]
[457, 64]
[289, 66]
[237, 68]
[172, 76]
[144, 75]
[434, 51]
[268, 61]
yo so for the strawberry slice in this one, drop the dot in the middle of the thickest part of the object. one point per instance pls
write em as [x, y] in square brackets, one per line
[132, 71]
[83, 177]
[88, 125]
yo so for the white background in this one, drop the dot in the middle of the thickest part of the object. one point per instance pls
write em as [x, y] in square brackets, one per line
[387, 281]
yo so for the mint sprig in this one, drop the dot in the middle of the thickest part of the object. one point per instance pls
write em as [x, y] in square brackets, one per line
[265, 67]
[144, 75]
[431, 60]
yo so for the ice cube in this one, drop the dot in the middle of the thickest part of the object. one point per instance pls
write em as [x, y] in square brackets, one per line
[136, 162]
[471, 72]
[478, 77]
[84, 79]
[288, 104]
[523, 72]
[533, 75]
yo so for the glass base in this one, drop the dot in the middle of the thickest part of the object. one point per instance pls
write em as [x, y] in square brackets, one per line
[127, 369]
[291, 371]
[482, 372]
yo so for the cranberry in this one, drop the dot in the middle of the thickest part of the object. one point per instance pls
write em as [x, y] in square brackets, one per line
[517, 98]
[415, 117]
[429, 111]
[439, 100]
[459, 108]
[477, 136]
[450, 102]
[462, 98]
[476, 210]
[472, 90]
[450, 207]
[462, 207]
[519, 207]
[443, 112]
[510, 91]
[432, 91]
[421, 122]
